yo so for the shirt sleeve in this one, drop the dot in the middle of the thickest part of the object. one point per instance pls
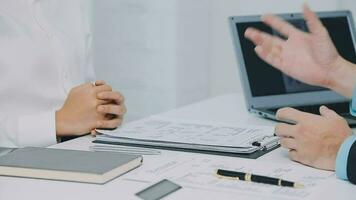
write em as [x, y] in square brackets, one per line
[342, 157]
[353, 104]
[37, 130]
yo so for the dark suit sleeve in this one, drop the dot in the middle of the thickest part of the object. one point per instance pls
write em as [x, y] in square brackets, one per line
[351, 164]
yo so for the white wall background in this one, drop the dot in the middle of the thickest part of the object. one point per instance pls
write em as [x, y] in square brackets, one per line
[348, 5]
[166, 53]
[154, 51]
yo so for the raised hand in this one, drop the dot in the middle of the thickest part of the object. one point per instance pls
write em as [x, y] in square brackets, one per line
[309, 57]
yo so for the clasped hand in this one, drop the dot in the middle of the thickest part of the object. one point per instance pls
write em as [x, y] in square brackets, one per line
[89, 107]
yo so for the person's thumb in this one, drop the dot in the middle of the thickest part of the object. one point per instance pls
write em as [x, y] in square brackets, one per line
[326, 112]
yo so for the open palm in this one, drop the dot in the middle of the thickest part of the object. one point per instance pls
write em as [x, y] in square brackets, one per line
[308, 57]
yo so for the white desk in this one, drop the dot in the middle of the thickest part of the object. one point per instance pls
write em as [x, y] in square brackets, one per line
[228, 109]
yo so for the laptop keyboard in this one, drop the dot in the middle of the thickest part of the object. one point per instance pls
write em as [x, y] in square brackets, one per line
[341, 108]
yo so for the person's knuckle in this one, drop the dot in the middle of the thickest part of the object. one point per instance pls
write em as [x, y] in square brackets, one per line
[121, 110]
[116, 110]
[283, 111]
[278, 25]
[279, 112]
[342, 121]
[298, 128]
[113, 109]
[104, 108]
[287, 109]
[108, 87]
[283, 143]
[102, 95]
[116, 94]
[284, 28]
[277, 128]
[269, 58]
[304, 133]
[119, 96]
[99, 82]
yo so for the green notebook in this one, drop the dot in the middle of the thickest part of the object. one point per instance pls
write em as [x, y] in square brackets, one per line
[67, 165]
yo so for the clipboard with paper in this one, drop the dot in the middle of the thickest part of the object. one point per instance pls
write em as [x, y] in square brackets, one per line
[218, 139]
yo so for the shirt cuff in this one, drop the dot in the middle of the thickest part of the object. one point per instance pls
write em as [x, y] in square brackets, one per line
[37, 130]
[342, 157]
[353, 106]
[353, 103]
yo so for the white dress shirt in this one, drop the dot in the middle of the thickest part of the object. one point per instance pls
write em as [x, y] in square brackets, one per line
[45, 50]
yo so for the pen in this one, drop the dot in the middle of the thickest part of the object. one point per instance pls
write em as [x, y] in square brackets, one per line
[256, 178]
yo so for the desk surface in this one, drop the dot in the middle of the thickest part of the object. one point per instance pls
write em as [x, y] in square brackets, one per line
[227, 109]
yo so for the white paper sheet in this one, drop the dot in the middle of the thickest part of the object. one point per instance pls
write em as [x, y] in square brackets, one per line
[163, 130]
[199, 174]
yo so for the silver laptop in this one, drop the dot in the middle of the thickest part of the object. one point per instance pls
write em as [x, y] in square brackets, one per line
[267, 89]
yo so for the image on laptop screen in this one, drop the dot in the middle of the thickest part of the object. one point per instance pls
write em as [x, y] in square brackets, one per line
[260, 73]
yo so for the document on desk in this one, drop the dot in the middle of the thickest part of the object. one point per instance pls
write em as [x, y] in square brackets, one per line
[191, 135]
[199, 173]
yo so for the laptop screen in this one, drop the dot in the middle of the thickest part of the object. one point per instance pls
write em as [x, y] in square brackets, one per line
[265, 80]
